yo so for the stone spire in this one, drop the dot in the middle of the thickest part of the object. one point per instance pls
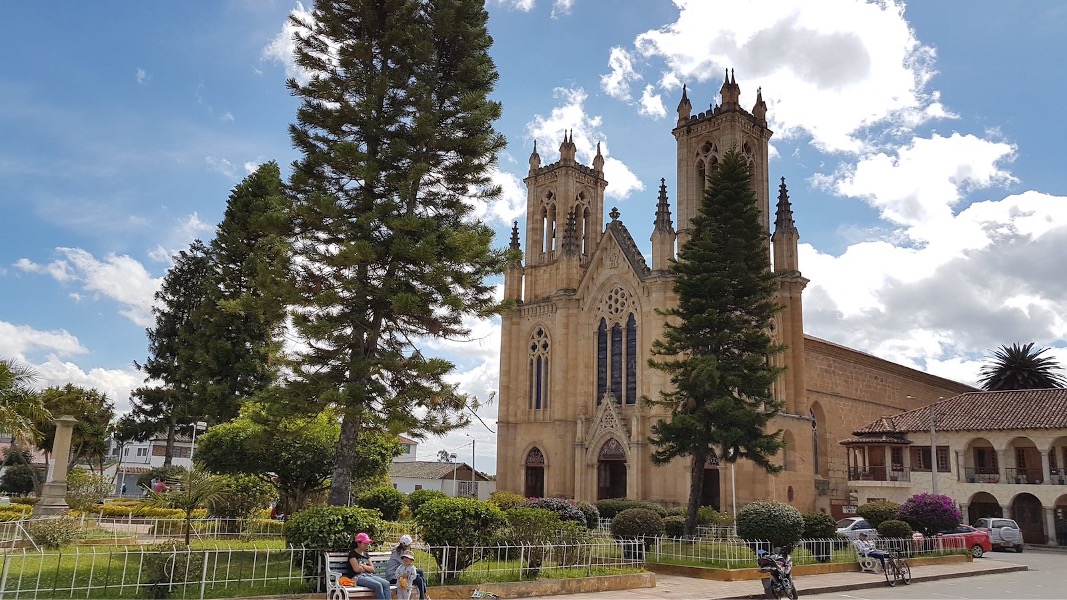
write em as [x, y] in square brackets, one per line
[567, 148]
[535, 159]
[515, 237]
[570, 236]
[685, 108]
[663, 210]
[783, 216]
[730, 92]
[759, 110]
[598, 160]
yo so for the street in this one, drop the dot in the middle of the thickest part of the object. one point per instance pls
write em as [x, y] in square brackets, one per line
[1046, 578]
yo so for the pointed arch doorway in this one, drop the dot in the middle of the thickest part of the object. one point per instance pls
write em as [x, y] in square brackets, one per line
[611, 471]
[709, 488]
[535, 474]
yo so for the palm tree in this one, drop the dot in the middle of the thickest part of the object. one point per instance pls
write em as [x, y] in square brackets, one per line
[20, 405]
[195, 489]
[1020, 368]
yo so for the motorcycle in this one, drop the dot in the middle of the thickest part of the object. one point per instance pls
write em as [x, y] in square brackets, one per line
[780, 566]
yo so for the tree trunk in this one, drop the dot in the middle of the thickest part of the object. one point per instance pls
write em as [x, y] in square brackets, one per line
[696, 489]
[343, 460]
[168, 456]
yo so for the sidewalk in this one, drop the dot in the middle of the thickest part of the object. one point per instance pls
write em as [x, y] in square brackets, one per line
[685, 588]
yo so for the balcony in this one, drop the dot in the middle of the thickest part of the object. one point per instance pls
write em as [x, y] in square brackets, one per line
[1058, 476]
[1024, 476]
[981, 475]
[879, 473]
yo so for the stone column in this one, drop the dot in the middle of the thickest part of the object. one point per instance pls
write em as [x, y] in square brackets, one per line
[1005, 510]
[1000, 467]
[1050, 526]
[54, 492]
[1046, 473]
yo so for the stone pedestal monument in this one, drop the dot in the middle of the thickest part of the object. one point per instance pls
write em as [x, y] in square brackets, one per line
[54, 493]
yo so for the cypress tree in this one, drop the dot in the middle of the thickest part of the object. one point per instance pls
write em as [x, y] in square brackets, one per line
[717, 342]
[395, 128]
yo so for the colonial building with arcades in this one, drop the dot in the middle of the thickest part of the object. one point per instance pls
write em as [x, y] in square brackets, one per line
[574, 351]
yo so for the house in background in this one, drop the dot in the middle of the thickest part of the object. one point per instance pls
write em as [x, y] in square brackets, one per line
[410, 450]
[998, 454]
[134, 459]
[454, 479]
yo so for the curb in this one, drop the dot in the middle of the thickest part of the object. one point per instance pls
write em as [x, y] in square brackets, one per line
[878, 584]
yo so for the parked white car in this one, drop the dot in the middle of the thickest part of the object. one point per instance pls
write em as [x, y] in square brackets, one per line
[852, 527]
[1003, 533]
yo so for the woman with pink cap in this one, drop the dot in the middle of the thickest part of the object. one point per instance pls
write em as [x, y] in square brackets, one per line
[363, 568]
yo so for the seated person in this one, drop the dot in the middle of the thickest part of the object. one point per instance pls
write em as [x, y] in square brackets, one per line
[363, 568]
[865, 548]
[396, 561]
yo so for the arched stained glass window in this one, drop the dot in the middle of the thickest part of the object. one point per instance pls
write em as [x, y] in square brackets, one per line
[601, 360]
[631, 360]
[540, 347]
[617, 352]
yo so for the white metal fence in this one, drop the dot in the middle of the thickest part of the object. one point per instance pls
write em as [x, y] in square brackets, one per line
[139, 530]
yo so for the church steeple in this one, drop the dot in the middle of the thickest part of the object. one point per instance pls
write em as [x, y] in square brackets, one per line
[514, 237]
[598, 160]
[759, 110]
[783, 216]
[730, 92]
[567, 149]
[513, 275]
[535, 159]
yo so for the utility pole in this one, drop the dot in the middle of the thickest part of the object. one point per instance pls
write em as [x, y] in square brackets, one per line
[933, 446]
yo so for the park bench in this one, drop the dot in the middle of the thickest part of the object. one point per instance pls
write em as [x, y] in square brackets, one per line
[337, 567]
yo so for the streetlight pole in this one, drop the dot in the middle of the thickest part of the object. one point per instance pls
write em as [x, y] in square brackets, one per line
[455, 488]
[192, 447]
[933, 446]
[474, 485]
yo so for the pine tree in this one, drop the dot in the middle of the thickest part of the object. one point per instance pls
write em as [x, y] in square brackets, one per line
[174, 392]
[237, 328]
[396, 131]
[717, 342]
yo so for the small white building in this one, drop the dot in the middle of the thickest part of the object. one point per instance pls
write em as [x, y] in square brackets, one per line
[454, 479]
[137, 458]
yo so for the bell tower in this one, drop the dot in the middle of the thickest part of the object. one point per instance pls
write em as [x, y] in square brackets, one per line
[704, 137]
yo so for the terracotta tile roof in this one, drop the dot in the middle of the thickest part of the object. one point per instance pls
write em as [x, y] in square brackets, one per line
[982, 411]
[425, 469]
[876, 438]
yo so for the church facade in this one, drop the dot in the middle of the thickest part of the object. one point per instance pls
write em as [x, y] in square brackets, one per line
[574, 351]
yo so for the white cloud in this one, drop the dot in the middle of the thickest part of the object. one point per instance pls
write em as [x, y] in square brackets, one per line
[561, 7]
[116, 383]
[118, 278]
[142, 75]
[19, 340]
[520, 5]
[617, 83]
[281, 48]
[652, 104]
[570, 116]
[831, 68]
[510, 205]
[221, 165]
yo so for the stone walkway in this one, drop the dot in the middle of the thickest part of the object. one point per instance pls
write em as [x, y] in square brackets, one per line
[684, 588]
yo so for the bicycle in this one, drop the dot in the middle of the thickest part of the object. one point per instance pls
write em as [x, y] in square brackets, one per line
[897, 569]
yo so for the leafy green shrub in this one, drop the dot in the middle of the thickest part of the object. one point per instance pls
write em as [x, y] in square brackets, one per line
[420, 497]
[53, 532]
[592, 515]
[892, 528]
[18, 479]
[506, 500]
[168, 473]
[677, 511]
[611, 507]
[14, 512]
[331, 528]
[385, 499]
[876, 512]
[674, 525]
[818, 525]
[462, 523]
[533, 527]
[767, 520]
[566, 509]
[708, 516]
[115, 509]
[929, 513]
[85, 490]
[30, 500]
[242, 496]
[637, 523]
[166, 564]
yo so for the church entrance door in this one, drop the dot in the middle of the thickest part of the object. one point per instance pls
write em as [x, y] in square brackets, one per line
[709, 489]
[611, 471]
[535, 474]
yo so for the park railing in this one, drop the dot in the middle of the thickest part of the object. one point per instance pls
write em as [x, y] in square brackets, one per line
[136, 572]
[132, 529]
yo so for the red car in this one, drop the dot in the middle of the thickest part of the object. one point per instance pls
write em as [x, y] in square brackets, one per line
[975, 539]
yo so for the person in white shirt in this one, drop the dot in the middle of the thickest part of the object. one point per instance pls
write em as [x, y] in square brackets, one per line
[865, 548]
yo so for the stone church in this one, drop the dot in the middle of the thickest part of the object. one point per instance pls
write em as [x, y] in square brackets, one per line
[574, 351]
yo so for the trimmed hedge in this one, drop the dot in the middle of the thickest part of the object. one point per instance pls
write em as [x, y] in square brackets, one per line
[637, 523]
[385, 499]
[819, 525]
[766, 520]
[331, 528]
[893, 528]
[419, 497]
[611, 507]
[876, 512]
[506, 500]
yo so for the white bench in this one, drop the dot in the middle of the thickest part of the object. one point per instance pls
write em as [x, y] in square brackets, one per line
[337, 567]
[867, 563]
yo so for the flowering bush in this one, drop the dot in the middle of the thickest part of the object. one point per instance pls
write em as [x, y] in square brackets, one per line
[592, 515]
[929, 513]
[566, 509]
[53, 532]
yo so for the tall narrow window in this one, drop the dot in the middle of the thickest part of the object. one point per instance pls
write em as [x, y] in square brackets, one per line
[601, 360]
[539, 369]
[617, 353]
[631, 360]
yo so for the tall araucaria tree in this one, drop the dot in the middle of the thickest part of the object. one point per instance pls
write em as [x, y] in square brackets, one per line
[395, 128]
[172, 391]
[717, 342]
[238, 326]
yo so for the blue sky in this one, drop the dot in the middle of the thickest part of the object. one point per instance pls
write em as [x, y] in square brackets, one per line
[921, 145]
